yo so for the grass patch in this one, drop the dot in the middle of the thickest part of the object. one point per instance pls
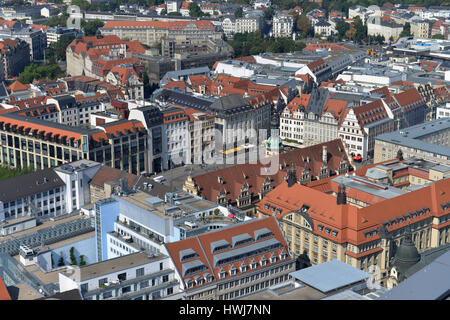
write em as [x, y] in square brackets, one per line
[6, 172]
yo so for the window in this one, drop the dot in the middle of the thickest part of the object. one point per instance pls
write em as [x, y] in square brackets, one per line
[139, 272]
[103, 281]
[165, 278]
[122, 276]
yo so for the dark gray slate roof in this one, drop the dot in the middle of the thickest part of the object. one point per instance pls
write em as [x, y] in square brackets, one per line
[430, 283]
[29, 184]
[229, 105]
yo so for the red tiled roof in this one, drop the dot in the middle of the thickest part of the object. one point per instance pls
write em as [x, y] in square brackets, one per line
[107, 174]
[350, 221]
[201, 244]
[170, 25]
[135, 47]
[4, 294]
[254, 175]
[18, 86]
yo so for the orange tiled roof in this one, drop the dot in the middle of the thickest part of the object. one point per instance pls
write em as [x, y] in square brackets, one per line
[170, 25]
[201, 244]
[17, 86]
[4, 294]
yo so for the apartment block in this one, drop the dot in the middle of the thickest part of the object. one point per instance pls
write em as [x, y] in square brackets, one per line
[359, 219]
[232, 262]
[14, 57]
[152, 32]
[429, 140]
[137, 276]
[282, 26]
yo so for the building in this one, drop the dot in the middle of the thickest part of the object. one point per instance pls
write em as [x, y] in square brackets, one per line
[331, 280]
[106, 182]
[323, 28]
[175, 137]
[36, 39]
[244, 185]
[282, 26]
[232, 262]
[152, 119]
[377, 25]
[232, 25]
[138, 276]
[421, 29]
[95, 56]
[432, 281]
[152, 32]
[201, 132]
[122, 144]
[14, 57]
[143, 222]
[429, 140]
[125, 77]
[407, 260]
[43, 198]
[56, 33]
[360, 219]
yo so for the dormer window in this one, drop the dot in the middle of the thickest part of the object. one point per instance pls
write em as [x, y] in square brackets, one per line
[273, 258]
[253, 264]
[233, 271]
[222, 273]
[263, 261]
[283, 255]
[243, 267]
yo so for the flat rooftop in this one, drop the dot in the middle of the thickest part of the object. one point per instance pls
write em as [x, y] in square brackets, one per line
[412, 137]
[113, 265]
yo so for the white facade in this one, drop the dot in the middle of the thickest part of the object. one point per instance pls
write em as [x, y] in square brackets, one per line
[236, 70]
[176, 143]
[76, 177]
[443, 112]
[151, 280]
[282, 26]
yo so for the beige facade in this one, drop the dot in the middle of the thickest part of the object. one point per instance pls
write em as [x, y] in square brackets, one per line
[421, 29]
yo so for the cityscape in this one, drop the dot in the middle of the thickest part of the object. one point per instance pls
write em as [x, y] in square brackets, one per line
[239, 150]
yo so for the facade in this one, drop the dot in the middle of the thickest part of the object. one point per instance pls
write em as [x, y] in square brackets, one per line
[151, 32]
[244, 185]
[282, 26]
[421, 29]
[376, 25]
[144, 222]
[36, 39]
[360, 219]
[201, 132]
[323, 28]
[54, 34]
[125, 77]
[137, 276]
[429, 140]
[122, 144]
[44, 198]
[176, 138]
[232, 25]
[233, 262]
[14, 57]
[152, 119]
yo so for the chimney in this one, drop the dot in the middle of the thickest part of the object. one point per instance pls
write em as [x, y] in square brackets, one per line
[324, 154]
[123, 185]
[341, 195]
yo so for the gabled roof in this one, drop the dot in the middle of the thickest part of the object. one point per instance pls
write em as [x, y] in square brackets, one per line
[210, 263]
[18, 86]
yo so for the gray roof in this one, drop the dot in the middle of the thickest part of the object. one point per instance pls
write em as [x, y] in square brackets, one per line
[330, 275]
[375, 174]
[411, 137]
[29, 184]
[190, 265]
[241, 237]
[433, 281]
[182, 73]
[229, 105]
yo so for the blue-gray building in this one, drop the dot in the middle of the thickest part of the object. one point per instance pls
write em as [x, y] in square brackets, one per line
[106, 212]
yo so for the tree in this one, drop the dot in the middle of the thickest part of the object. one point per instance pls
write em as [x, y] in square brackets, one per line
[194, 10]
[57, 50]
[90, 27]
[83, 4]
[61, 260]
[177, 14]
[360, 29]
[73, 259]
[351, 33]
[82, 261]
[303, 25]
[406, 32]
[438, 36]
[239, 13]
[268, 13]
[342, 27]
[34, 72]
